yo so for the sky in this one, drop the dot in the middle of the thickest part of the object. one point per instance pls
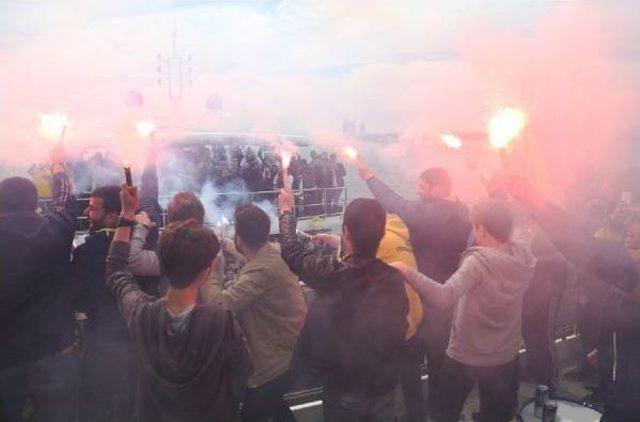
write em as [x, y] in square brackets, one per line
[416, 68]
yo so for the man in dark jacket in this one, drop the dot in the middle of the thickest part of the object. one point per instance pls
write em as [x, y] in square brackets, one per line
[192, 362]
[355, 329]
[37, 350]
[338, 172]
[612, 264]
[107, 371]
[439, 228]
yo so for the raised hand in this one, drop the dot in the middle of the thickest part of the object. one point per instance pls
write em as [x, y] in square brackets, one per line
[129, 200]
[286, 200]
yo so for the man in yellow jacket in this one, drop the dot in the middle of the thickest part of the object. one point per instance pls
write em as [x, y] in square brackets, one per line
[396, 246]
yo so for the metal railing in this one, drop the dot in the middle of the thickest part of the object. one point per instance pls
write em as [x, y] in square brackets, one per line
[309, 203]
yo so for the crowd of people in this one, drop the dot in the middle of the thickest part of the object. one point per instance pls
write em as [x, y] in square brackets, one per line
[226, 167]
[182, 325]
[261, 169]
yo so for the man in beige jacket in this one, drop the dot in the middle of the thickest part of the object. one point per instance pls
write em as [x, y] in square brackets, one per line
[268, 303]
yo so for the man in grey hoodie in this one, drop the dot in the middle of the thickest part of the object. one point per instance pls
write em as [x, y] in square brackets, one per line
[486, 334]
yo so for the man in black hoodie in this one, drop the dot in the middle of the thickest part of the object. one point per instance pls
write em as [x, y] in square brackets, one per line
[439, 228]
[355, 329]
[192, 362]
[37, 349]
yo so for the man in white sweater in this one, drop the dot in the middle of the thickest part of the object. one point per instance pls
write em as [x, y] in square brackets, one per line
[488, 288]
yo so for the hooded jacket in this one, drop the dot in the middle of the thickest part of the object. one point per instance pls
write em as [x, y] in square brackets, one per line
[36, 307]
[395, 246]
[192, 367]
[488, 287]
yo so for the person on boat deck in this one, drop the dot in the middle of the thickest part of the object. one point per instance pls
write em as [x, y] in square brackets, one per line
[616, 266]
[486, 334]
[193, 365]
[267, 300]
[439, 228]
[355, 330]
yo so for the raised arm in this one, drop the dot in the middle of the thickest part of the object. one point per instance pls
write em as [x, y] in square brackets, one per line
[607, 261]
[315, 267]
[143, 262]
[120, 282]
[392, 202]
[443, 295]
[64, 209]
[242, 292]
[149, 191]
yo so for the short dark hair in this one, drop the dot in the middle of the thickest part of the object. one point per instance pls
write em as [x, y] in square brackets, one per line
[496, 217]
[252, 225]
[187, 248]
[438, 176]
[365, 219]
[18, 194]
[110, 196]
[185, 206]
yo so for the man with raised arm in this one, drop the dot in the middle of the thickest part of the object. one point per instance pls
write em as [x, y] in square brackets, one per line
[616, 267]
[439, 228]
[356, 326]
[487, 291]
[193, 365]
[38, 347]
[267, 299]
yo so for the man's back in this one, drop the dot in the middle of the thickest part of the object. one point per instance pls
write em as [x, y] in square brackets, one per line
[192, 365]
[439, 229]
[488, 318]
[35, 294]
[356, 326]
[185, 364]
[104, 320]
[440, 237]
[270, 307]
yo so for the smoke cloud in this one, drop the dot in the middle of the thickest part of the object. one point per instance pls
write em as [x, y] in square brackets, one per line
[301, 67]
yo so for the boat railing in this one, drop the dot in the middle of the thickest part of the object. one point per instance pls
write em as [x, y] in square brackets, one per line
[309, 203]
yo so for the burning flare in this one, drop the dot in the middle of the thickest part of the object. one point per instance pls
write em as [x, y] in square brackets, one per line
[286, 160]
[351, 153]
[53, 125]
[127, 172]
[505, 126]
[145, 128]
[451, 141]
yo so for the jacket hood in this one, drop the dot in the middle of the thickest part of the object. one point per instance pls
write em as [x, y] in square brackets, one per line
[396, 225]
[512, 271]
[179, 359]
[21, 224]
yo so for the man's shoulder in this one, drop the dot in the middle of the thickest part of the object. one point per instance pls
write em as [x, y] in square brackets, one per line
[97, 238]
[268, 265]
[387, 270]
[211, 310]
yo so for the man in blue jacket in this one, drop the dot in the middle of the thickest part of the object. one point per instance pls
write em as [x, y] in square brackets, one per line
[439, 228]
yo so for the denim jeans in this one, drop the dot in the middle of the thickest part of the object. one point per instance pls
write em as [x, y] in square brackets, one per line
[51, 381]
